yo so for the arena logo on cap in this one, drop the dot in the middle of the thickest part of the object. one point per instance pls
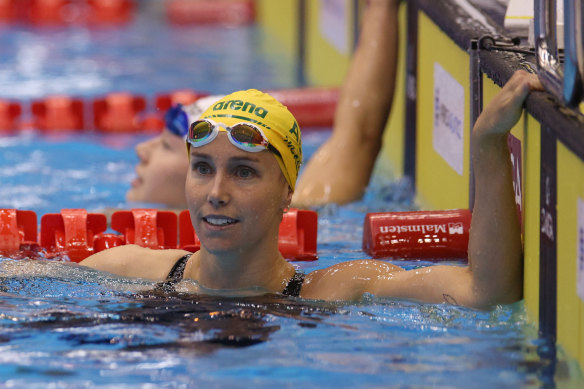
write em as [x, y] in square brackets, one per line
[239, 105]
[294, 131]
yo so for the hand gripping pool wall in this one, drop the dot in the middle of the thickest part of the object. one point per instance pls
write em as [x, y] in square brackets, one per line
[443, 52]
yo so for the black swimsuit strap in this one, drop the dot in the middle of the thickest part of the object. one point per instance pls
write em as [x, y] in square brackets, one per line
[294, 285]
[175, 275]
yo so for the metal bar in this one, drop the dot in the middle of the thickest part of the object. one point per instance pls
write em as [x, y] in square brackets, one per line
[546, 49]
[548, 233]
[476, 107]
[573, 52]
[301, 46]
[411, 93]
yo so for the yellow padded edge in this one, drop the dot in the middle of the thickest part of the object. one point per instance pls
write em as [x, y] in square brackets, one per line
[570, 331]
[391, 162]
[326, 66]
[438, 185]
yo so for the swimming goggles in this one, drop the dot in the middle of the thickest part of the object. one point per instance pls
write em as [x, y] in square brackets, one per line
[244, 136]
[176, 120]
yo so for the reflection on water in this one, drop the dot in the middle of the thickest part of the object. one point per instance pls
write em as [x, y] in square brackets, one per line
[76, 325]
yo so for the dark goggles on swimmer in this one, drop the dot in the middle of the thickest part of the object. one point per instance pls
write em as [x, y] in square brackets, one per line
[176, 120]
[244, 136]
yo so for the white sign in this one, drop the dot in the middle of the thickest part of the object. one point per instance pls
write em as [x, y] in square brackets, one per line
[580, 257]
[448, 134]
[333, 18]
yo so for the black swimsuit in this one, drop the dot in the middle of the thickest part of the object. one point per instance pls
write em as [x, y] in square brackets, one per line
[177, 272]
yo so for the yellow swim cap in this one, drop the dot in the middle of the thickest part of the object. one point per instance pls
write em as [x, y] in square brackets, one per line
[277, 123]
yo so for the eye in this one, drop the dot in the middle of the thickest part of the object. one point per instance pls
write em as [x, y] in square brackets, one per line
[202, 168]
[245, 172]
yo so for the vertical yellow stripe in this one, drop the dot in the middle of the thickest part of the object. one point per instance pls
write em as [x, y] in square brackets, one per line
[570, 189]
[438, 185]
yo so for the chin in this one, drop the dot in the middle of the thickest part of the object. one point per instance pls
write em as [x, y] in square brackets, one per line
[130, 195]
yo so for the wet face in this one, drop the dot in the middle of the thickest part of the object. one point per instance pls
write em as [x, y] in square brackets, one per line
[236, 198]
[160, 174]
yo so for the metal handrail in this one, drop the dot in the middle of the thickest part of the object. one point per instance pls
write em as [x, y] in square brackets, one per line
[566, 82]
[573, 51]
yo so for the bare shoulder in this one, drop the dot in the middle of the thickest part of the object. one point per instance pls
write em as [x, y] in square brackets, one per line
[135, 261]
[345, 280]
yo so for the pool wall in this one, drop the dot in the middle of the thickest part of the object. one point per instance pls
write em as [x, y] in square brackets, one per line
[444, 80]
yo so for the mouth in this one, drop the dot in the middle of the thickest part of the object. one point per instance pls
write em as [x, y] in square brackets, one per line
[219, 221]
[136, 182]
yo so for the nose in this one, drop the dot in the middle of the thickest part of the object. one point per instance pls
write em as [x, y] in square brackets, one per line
[143, 149]
[219, 192]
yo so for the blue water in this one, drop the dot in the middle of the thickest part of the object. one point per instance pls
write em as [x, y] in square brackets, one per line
[68, 327]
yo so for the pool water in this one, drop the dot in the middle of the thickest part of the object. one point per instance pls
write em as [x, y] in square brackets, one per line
[65, 326]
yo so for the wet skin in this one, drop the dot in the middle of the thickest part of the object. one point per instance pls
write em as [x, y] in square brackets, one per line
[160, 173]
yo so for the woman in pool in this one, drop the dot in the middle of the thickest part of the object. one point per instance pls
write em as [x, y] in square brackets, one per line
[244, 155]
[364, 103]
[160, 173]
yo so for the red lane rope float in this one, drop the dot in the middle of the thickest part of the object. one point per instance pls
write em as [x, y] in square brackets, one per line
[109, 11]
[418, 234]
[65, 12]
[154, 122]
[48, 11]
[75, 233]
[297, 238]
[7, 10]
[9, 114]
[18, 231]
[147, 227]
[118, 112]
[312, 107]
[71, 232]
[58, 113]
[226, 12]
[164, 101]
[123, 112]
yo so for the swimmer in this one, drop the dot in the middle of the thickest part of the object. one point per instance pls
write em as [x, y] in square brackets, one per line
[160, 173]
[244, 155]
[339, 171]
[331, 175]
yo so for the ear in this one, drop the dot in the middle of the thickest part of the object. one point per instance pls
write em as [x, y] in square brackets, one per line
[287, 198]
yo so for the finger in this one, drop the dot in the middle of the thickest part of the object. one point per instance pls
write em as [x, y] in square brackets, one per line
[535, 84]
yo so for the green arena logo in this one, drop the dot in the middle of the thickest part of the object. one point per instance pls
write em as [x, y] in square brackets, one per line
[239, 105]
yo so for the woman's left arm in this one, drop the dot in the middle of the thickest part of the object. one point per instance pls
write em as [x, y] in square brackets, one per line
[494, 273]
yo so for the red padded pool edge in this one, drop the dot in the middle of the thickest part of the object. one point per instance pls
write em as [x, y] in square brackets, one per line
[418, 234]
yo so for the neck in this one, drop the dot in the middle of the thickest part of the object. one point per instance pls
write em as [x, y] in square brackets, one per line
[259, 267]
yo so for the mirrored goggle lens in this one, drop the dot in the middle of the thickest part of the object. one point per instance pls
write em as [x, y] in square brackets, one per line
[200, 131]
[247, 136]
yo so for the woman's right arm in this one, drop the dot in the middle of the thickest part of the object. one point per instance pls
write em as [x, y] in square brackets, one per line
[340, 169]
[135, 261]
